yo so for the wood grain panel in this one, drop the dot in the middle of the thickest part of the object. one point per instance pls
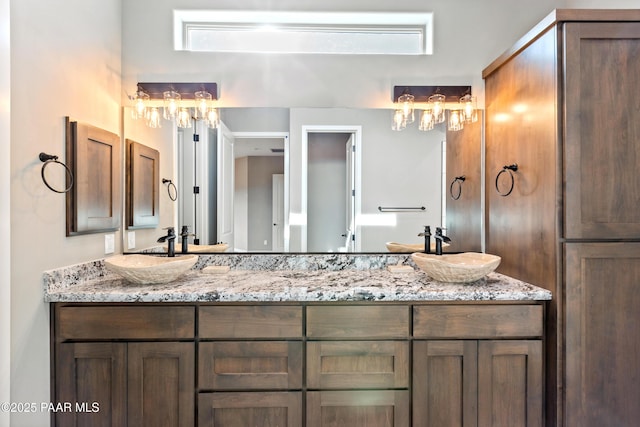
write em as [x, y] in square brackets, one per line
[602, 334]
[94, 203]
[377, 321]
[92, 372]
[445, 383]
[603, 130]
[477, 321]
[255, 365]
[521, 127]
[161, 384]
[259, 321]
[372, 408]
[277, 409]
[359, 364]
[510, 383]
[464, 215]
[143, 182]
[119, 322]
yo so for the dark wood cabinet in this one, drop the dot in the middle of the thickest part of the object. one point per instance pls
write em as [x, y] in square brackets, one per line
[602, 334]
[133, 381]
[561, 105]
[461, 381]
[94, 203]
[143, 183]
[298, 364]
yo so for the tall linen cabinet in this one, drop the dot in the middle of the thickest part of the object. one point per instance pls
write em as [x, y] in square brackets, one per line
[562, 181]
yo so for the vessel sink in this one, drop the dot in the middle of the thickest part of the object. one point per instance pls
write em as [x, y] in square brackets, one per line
[149, 269]
[456, 268]
[411, 247]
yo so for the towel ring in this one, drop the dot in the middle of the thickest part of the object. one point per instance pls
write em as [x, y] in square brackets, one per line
[48, 158]
[170, 185]
[507, 168]
[459, 180]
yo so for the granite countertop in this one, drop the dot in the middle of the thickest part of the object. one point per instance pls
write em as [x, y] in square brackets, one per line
[286, 282]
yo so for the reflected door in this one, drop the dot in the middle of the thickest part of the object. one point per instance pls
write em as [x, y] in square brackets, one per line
[225, 185]
[277, 207]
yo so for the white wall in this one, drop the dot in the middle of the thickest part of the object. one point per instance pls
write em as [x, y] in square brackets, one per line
[65, 61]
[5, 212]
[469, 34]
[398, 169]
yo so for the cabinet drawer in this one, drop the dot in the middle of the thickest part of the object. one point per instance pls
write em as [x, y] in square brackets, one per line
[282, 409]
[259, 321]
[370, 408]
[378, 321]
[357, 364]
[117, 322]
[477, 321]
[254, 365]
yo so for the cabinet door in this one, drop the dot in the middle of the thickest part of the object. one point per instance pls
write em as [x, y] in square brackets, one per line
[602, 334]
[445, 383]
[510, 382]
[161, 379]
[372, 408]
[263, 409]
[357, 364]
[88, 373]
[602, 132]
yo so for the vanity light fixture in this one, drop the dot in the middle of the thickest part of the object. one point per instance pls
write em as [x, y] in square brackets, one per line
[456, 121]
[153, 120]
[427, 121]
[469, 108]
[170, 106]
[433, 102]
[140, 105]
[399, 120]
[180, 102]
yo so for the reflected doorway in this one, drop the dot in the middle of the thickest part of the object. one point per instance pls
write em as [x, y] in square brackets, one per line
[331, 192]
[260, 196]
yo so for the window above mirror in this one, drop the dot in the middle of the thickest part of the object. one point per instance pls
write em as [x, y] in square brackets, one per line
[304, 32]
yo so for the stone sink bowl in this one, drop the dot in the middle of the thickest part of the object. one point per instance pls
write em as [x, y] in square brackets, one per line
[411, 247]
[456, 268]
[149, 269]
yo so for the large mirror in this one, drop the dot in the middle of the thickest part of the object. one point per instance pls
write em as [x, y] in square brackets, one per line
[309, 180]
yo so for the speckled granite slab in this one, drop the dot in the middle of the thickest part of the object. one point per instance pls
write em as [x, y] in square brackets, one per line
[323, 277]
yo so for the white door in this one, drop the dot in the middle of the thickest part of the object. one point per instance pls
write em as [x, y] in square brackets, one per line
[225, 185]
[277, 208]
[350, 235]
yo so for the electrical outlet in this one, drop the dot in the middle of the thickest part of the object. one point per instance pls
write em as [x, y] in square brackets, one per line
[109, 243]
[266, 243]
[131, 240]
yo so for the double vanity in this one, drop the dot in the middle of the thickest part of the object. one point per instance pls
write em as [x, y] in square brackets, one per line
[296, 340]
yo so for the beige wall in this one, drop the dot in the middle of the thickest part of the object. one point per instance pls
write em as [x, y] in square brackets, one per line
[65, 61]
[5, 223]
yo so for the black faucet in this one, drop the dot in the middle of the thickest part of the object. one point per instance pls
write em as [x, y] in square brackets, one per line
[185, 238]
[427, 239]
[170, 238]
[439, 239]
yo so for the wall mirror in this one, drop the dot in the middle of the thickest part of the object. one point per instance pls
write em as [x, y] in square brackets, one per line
[317, 180]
